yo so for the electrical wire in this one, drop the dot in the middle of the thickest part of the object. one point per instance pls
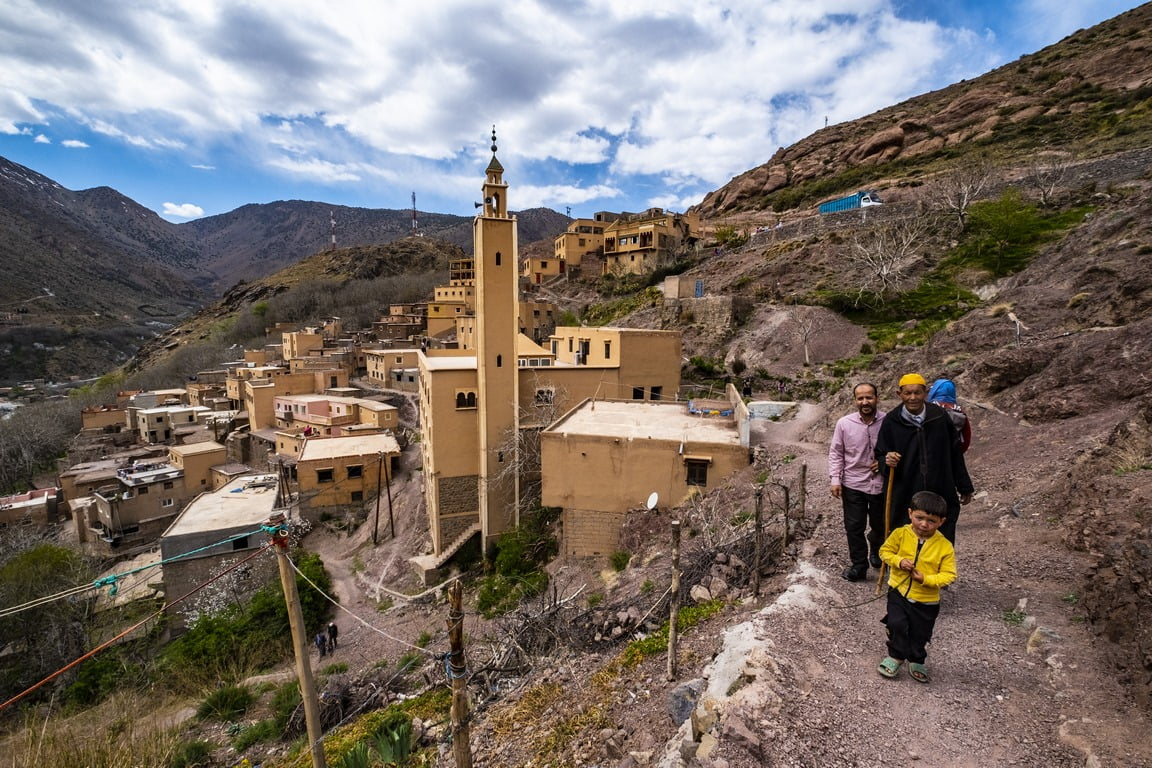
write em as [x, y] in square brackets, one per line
[131, 629]
[364, 622]
[111, 580]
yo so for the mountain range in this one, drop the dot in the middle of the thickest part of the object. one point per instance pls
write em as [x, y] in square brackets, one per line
[91, 274]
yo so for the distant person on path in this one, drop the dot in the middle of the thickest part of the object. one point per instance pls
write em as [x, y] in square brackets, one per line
[321, 641]
[919, 450]
[333, 631]
[921, 562]
[943, 393]
[854, 473]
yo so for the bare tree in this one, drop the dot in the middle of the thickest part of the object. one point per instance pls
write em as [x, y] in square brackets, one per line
[807, 323]
[963, 185]
[546, 404]
[1047, 172]
[882, 256]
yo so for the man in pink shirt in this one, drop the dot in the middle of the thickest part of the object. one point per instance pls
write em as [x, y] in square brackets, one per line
[856, 481]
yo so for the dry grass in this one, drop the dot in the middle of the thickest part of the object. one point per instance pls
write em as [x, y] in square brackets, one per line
[121, 732]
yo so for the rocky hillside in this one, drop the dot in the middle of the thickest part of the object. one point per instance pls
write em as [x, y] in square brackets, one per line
[1089, 94]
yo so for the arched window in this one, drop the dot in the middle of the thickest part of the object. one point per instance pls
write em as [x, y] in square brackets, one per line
[497, 258]
[460, 400]
[499, 361]
[471, 400]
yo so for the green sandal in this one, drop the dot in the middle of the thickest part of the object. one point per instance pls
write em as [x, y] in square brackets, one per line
[919, 672]
[889, 667]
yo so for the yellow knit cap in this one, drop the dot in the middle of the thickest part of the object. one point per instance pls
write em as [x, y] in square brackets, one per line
[911, 379]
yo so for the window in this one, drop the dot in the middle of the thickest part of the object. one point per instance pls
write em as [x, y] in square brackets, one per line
[465, 400]
[499, 361]
[543, 265]
[167, 484]
[166, 503]
[697, 472]
[324, 475]
[497, 258]
[637, 393]
[544, 396]
[656, 393]
[607, 350]
[357, 496]
[355, 470]
[240, 543]
[142, 490]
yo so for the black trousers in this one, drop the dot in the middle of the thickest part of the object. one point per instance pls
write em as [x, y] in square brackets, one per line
[862, 512]
[910, 627]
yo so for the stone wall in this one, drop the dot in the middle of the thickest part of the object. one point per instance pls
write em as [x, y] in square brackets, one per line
[587, 533]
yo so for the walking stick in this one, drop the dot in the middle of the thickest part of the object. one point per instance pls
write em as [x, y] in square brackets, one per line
[887, 526]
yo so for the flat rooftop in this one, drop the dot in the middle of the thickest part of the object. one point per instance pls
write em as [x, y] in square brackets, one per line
[246, 501]
[355, 445]
[643, 419]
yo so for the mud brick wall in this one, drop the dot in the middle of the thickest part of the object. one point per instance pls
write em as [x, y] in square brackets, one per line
[588, 533]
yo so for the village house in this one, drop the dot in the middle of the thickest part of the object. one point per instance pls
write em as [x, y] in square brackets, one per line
[137, 505]
[39, 508]
[641, 243]
[394, 368]
[164, 423]
[341, 472]
[605, 457]
[326, 415]
[403, 322]
[584, 237]
[216, 530]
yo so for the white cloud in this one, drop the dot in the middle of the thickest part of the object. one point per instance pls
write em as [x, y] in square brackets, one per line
[203, 167]
[42, 139]
[183, 210]
[586, 95]
[74, 144]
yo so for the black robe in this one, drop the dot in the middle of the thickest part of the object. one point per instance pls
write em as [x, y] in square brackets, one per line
[931, 460]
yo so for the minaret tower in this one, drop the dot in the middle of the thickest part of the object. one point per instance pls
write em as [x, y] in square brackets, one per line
[494, 245]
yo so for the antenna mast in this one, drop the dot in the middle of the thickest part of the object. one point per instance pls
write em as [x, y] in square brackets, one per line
[332, 230]
[413, 211]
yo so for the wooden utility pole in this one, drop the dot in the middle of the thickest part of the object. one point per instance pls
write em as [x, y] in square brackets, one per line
[757, 528]
[803, 490]
[299, 639]
[388, 481]
[674, 609]
[376, 522]
[457, 670]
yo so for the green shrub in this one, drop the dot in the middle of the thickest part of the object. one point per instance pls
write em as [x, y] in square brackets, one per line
[98, 677]
[265, 730]
[357, 757]
[336, 669]
[244, 638]
[226, 704]
[520, 553]
[284, 703]
[410, 661]
[191, 754]
[620, 559]
[393, 742]
[657, 642]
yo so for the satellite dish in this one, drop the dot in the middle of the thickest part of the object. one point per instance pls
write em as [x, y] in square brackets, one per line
[652, 499]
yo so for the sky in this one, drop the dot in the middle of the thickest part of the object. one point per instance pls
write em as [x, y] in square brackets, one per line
[196, 107]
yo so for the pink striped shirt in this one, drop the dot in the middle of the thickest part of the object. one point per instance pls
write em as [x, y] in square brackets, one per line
[850, 456]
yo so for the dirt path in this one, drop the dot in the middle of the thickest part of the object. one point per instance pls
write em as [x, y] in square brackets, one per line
[1016, 681]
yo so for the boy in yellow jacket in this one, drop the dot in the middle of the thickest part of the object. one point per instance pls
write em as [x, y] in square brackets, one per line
[921, 561]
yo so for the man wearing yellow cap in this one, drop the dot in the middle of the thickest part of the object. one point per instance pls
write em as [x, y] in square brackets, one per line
[919, 450]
